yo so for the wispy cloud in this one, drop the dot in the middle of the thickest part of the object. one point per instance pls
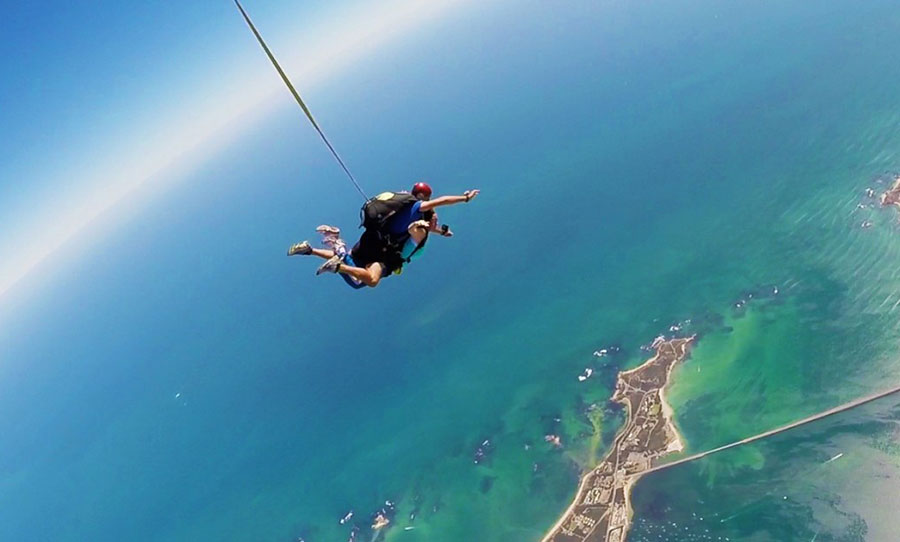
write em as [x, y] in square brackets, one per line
[193, 132]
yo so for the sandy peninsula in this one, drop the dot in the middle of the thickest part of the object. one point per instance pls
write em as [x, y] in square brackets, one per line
[601, 510]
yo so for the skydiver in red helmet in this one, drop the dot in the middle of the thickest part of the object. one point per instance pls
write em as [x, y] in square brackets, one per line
[397, 227]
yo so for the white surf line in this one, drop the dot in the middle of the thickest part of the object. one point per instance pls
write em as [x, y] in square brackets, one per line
[895, 306]
[835, 458]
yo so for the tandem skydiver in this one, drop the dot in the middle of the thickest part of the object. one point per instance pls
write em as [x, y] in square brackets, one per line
[396, 224]
[397, 227]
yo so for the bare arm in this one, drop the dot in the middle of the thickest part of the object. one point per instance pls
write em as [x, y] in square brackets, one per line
[440, 230]
[467, 196]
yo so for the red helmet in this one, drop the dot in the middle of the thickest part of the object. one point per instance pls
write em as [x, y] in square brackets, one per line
[421, 189]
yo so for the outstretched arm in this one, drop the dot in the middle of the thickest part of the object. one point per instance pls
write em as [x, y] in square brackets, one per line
[467, 196]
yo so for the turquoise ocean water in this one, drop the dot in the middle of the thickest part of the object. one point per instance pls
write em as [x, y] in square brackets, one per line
[641, 165]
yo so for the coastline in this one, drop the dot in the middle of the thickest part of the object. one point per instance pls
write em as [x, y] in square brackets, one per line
[601, 509]
[677, 444]
[892, 195]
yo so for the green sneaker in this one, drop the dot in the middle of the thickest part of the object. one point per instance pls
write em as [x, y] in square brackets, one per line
[302, 248]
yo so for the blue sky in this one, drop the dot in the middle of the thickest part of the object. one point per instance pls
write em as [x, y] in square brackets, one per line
[102, 96]
[80, 75]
